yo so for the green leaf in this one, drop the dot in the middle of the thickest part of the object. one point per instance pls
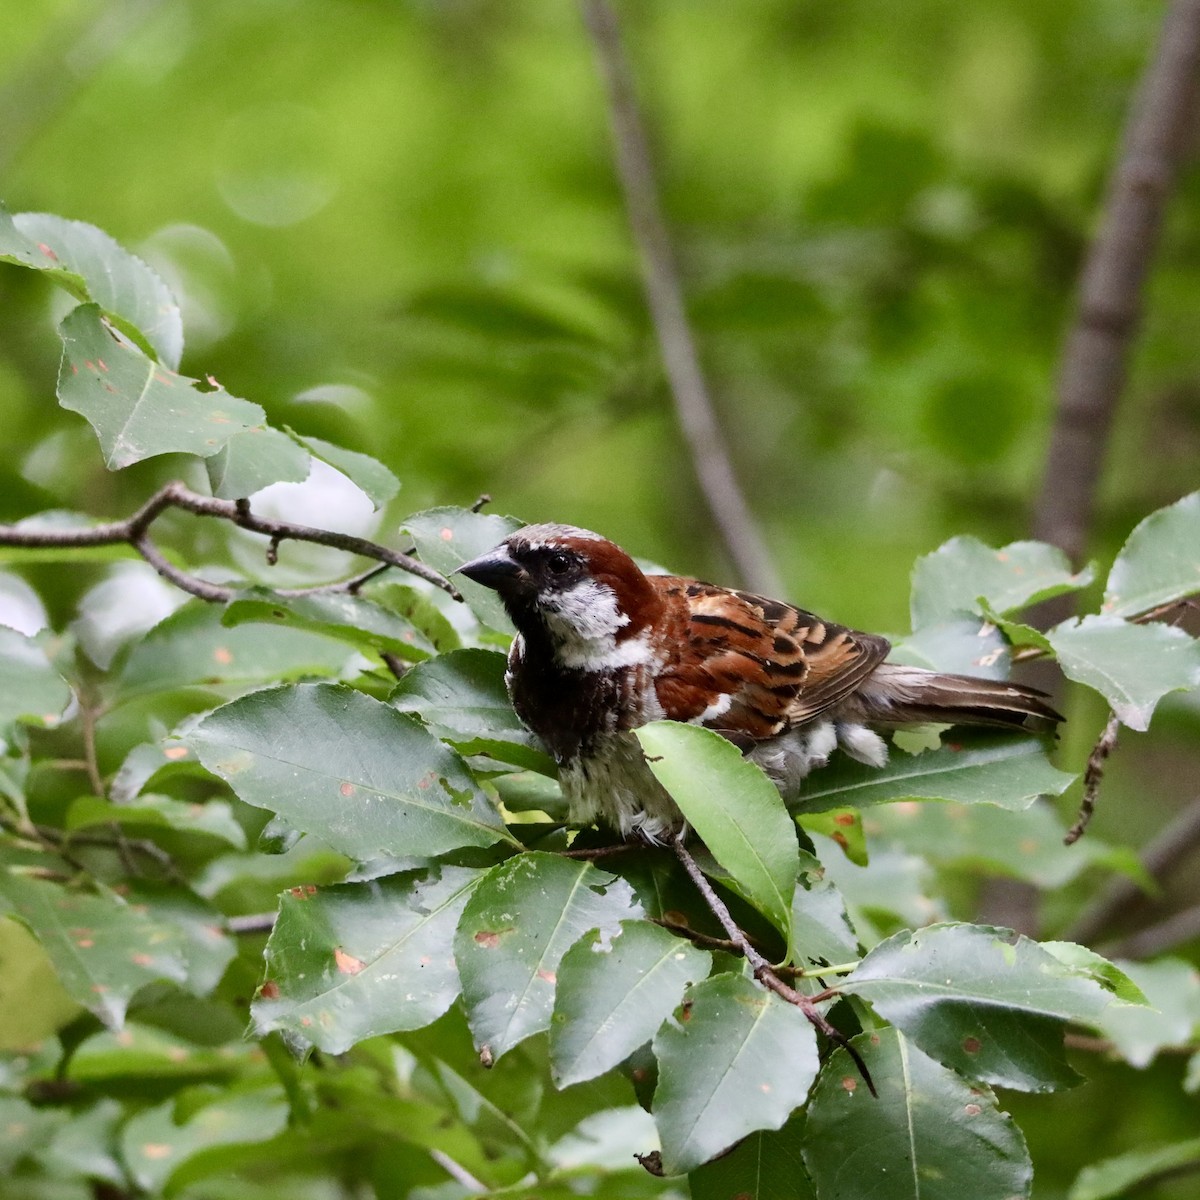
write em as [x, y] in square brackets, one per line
[974, 768]
[736, 1059]
[842, 825]
[531, 791]
[214, 818]
[1116, 1178]
[930, 1135]
[1087, 963]
[1171, 987]
[614, 994]
[981, 1000]
[206, 948]
[255, 459]
[1016, 632]
[820, 927]
[139, 1055]
[33, 1004]
[30, 688]
[1159, 563]
[155, 1146]
[361, 959]
[151, 762]
[962, 643]
[462, 697]
[734, 807]
[91, 266]
[24, 1129]
[103, 950]
[767, 1165]
[950, 581]
[448, 537]
[1131, 666]
[417, 607]
[366, 472]
[138, 407]
[352, 619]
[86, 1145]
[364, 778]
[516, 928]
[191, 646]
[896, 889]
[1022, 845]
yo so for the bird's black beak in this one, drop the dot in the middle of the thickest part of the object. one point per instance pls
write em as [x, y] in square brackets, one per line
[498, 570]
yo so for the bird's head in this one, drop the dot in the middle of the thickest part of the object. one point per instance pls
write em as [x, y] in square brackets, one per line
[574, 590]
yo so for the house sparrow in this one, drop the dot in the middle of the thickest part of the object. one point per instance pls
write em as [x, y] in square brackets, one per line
[602, 648]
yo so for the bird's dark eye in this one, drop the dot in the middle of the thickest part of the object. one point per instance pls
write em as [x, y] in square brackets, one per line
[558, 563]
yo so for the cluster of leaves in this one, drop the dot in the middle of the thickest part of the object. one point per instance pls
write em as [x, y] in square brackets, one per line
[455, 997]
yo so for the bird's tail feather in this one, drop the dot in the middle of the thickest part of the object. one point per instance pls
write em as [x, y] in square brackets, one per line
[900, 695]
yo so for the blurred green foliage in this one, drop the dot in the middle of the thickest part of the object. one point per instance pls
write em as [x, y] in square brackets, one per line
[395, 226]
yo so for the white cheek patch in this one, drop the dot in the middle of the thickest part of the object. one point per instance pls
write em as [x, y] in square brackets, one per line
[587, 611]
[583, 623]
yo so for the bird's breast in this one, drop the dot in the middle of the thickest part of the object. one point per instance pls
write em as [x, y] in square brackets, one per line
[572, 710]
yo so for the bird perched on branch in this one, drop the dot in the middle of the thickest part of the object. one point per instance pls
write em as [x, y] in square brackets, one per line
[602, 648]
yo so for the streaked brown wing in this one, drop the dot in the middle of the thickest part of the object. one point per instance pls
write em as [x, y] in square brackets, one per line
[838, 659]
[777, 664]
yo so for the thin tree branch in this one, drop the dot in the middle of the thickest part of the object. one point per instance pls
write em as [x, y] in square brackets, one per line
[458, 1172]
[1109, 304]
[1160, 857]
[1093, 776]
[1175, 930]
[764, 973]
[698, 939]
[110, 838]
[134, 531]
[252, 923]
[693, 406]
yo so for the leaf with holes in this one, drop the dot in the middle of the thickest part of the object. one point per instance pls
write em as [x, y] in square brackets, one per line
[103, 950]
[91, 266]
[363, 959]
[820, 926]
[972, 768]
[981, 1000]
[331, 761]
[734, 807]
[140, 408]
[928, 1132]
[950, 581]
[613, 995]
[1159, 563]
[1131, 666]
[516, 928]
[736, 1058]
